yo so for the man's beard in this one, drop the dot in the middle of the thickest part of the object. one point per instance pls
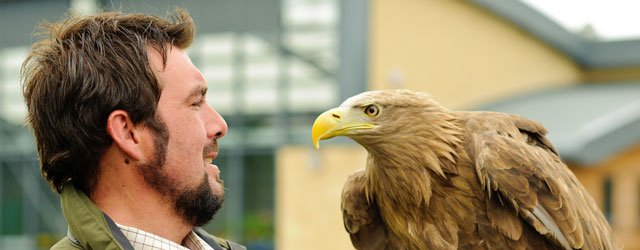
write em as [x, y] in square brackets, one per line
[196, 206]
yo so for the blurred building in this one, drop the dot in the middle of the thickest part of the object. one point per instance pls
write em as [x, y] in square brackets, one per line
[273, 65]
[487, 55]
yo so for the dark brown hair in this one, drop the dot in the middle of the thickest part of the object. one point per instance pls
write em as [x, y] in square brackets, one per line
[85, 68]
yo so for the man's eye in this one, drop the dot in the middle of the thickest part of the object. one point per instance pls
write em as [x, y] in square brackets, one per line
[198, 103]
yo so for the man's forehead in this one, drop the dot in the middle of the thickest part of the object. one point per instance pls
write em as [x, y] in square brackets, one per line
[177, 67]
[158, 64]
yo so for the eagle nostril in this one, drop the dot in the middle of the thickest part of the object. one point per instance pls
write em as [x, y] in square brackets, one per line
[336, 116]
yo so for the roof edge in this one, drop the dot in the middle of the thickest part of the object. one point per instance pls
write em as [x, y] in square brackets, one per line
[606, 145]
[587, 53]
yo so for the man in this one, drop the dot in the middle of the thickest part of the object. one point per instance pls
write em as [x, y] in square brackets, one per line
[124, 132]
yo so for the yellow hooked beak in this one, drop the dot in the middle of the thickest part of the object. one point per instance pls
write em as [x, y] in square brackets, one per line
[336, 122]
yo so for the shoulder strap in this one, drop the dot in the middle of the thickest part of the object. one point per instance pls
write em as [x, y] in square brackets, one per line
[217, 243]
[117, 234]
[207, 238]
[235, 246]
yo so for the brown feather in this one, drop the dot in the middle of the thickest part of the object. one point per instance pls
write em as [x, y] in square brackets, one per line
[361, 218]
[439, 179]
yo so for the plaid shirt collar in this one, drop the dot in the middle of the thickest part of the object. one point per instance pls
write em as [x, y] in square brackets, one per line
[142, 240]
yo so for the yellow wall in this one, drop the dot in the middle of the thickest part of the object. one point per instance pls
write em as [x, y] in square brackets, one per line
[611, 75]
[308, 188]
[624, 171]
[460, 53]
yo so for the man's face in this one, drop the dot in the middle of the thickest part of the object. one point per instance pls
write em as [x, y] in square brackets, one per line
[185, 140]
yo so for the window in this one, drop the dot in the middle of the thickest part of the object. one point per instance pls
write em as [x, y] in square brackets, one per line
[607, 209]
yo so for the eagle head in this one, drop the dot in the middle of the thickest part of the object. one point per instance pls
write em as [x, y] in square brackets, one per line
[376, 117]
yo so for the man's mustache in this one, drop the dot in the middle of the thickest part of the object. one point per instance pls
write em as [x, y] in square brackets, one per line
[211, 148]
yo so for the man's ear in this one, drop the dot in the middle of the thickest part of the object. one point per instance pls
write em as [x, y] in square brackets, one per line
[125, 134]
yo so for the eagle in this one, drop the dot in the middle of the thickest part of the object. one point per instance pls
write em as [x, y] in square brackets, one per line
[442, 179]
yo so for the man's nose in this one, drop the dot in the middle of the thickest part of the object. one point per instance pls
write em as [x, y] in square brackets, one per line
[216, 126]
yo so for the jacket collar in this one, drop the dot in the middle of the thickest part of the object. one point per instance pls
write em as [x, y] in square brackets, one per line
[88, 226]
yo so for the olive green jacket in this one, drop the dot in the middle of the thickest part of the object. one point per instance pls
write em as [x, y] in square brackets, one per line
[90, 228]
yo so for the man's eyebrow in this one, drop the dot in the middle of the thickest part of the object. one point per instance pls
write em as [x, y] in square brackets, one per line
[197, 92]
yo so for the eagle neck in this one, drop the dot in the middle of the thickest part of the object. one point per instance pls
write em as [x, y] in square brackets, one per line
[400, 173]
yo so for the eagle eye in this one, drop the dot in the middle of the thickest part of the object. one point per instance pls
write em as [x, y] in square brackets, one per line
[372, 110]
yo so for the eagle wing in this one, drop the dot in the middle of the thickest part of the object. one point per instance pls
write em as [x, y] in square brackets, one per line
[360, 215]
[520, 168]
